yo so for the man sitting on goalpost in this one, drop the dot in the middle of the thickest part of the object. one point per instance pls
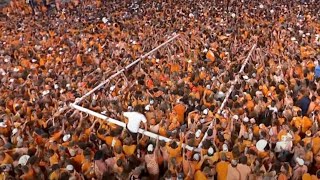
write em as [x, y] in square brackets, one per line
[133, 124]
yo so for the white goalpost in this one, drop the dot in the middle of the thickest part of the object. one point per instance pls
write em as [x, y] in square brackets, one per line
[76, 105]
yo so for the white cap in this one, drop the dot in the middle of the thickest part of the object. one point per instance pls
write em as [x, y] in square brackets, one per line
[261, 125]
[210, 151]
[23, 160]
[104, 20]
[66, 137]
[300, 161]
[271, 11]
[3, 124]
[151, 101]
[245, 77]
[198, 133]
[147, 108]
[112, 88]
[261, 144]
[293, 39]
[205, 111]
[225, 147]
[261, 6]
[45, 92]
[246, 119]
[196, 157]
[235, 117]
[233, 15]
[208, 86]
[70, 167]
[252, 121]
[14, 131]
[72, 152]
[150, 147]
[130, 108]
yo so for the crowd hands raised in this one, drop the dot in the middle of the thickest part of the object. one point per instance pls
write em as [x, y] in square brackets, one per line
[268, 128]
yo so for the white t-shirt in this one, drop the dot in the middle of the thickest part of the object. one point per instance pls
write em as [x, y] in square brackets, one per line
[134, 120]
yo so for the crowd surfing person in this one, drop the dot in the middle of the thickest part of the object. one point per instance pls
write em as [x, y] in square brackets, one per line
[269, 128]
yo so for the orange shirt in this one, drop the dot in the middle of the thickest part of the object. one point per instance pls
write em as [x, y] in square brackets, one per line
[210, 56]
[54, 159]
[111, 141]
[180, 110]
[55, 136]
[222, 170]
[250, 105]
[129, 150]
[7, 159]
[174, 152]
[79, 158]
[199, 175]
[162, 131]
[281, 133]
[296, 139]
[282, 177]
[306, 124]
[315, 145]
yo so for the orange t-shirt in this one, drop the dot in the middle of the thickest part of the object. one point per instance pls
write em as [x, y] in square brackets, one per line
[199, 175]
[56, 136]
[111, 141]
[174, 152]
[54, 159]
[180, 110]
[7, 159]
[222, 170]
[129, 150]
[306, 124]
[315, 145]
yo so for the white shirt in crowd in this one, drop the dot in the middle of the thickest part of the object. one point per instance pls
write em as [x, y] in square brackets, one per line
[134, 119]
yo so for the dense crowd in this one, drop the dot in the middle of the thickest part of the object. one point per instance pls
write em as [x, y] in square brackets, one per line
[53, 52]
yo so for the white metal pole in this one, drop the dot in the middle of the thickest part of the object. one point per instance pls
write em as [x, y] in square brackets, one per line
[123, 69]
[228, 93]
[122, 124]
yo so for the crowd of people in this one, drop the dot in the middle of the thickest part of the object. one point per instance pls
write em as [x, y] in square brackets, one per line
[52, 53]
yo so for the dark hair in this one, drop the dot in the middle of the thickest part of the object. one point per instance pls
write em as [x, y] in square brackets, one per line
[64, 175]
[99, 155]
[243, 160]
[318, 174]
[174, 145]
[119, 162]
